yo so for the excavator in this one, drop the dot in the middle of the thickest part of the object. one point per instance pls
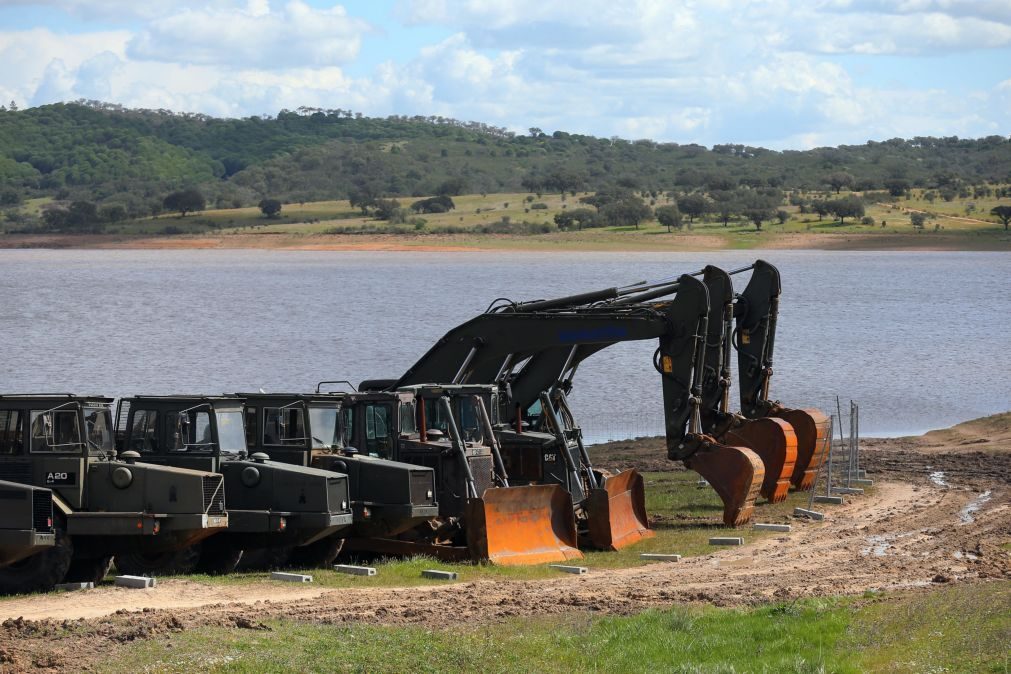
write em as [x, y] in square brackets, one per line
[756, 311]
[514, 338]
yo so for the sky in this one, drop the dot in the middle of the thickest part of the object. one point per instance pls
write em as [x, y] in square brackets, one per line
[782, 74]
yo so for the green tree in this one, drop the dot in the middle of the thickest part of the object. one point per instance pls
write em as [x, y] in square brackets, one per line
[847, 207]
[580, 218]
[918, 219]
[625, 212]
[1004, 213]
[694, 205]
[669, 216]
[270, 207]
[897, 186]
[782, 216]
[839, 180]
[185, 201]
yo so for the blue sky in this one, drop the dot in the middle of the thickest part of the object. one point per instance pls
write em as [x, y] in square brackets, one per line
[776, 73]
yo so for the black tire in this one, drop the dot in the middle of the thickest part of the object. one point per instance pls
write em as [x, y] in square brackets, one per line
[318, 555]
[265, 559]
[91, 570]
[159, 563]
[40, 572]
[218, 556]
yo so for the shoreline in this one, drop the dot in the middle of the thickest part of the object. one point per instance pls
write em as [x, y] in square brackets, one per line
[464, 243]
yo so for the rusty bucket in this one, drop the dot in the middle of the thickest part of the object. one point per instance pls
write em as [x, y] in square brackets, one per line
[775, 442]
[616, 514]
[736, 473]
[812, 429]
[519, 526]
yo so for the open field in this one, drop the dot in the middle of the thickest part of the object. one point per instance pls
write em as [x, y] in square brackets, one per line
[912, 576]
[335, 225]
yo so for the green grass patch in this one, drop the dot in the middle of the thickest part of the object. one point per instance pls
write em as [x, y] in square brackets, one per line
[964, 628]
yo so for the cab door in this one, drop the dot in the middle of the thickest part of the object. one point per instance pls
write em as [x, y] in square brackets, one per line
[56, 445]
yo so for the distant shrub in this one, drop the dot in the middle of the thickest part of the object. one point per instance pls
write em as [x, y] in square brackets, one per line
[867, 220]
[171, 230]
[539, 206]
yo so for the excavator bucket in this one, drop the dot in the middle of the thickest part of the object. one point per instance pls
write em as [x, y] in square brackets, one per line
[775, 442]
[736, 473]
[520, 526]
[616, 514]
[812, 429]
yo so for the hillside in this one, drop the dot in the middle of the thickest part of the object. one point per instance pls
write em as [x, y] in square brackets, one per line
[132, 158]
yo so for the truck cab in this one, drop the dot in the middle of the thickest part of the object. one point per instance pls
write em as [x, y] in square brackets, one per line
[387, 497]
[272, 505]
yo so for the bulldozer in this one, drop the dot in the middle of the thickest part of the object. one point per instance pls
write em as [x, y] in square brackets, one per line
[500, 345]
[481, 515]
[387, 497]
[756, 311]
[274, 507]
[100, 505]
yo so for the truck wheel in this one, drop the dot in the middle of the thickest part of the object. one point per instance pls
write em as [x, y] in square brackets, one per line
[265, 559]
[320, 554]
[91, 570]
[159, 563]
[218, 556]
[41, 572]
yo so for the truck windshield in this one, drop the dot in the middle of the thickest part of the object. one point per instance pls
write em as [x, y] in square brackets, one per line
[324, 428]
[98, 428]
[469, 419]
[231, 434]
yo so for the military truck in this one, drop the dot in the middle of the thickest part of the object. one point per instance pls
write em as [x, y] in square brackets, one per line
[101, 505]
[26, 524]
[273, 507]
[387, 497]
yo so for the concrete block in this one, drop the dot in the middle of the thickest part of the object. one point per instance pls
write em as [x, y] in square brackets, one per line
[136, 582]
[439, 575]
[290, 577]
[772, 527]
[726, 540]
[848, 490]
[702, 483]
[578, 570]
[72, 587]
[863, 483]
[354, 570]
[659, 557]
[810, 514]
[837, 500]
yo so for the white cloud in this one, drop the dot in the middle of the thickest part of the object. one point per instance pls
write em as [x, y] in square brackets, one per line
[253, 36]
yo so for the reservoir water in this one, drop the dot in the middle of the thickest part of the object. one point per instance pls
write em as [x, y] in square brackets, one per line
[920, 340]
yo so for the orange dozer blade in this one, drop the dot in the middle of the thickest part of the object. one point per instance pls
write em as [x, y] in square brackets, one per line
[775, 442]
[736, 473]
[520, 526]
[616, 514]
[812, 429]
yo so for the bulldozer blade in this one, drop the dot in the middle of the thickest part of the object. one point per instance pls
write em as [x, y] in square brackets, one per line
[616, 514]
[812, 428]
[518, 526]
[775, 442]
[736, 473]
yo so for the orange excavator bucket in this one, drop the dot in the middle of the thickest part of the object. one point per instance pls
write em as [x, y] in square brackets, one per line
[519, 526]
[736, 473]
[812, 429]
[616, 514]
[775, 442]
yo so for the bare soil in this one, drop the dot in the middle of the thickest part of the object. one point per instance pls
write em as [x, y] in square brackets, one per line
[940, 512]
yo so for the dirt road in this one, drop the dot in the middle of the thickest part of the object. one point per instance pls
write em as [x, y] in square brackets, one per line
[919, 528]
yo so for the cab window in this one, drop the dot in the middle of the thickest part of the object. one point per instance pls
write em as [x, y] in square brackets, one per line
[11, 432]
[143, 431]
[191, 432]
[348, 425]
[250, 427]
[408, 426]
[56, 431]
[377, 430]
[98, 427]
[284, 426]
